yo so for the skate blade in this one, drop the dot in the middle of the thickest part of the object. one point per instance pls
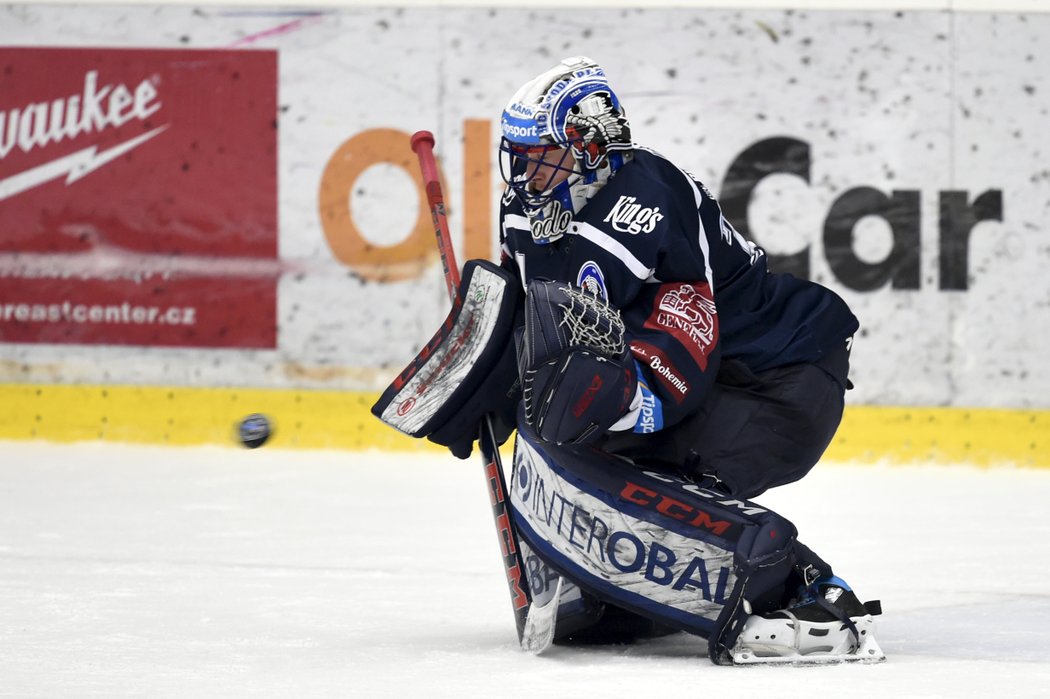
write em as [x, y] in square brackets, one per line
[869, 652]
[538, 634]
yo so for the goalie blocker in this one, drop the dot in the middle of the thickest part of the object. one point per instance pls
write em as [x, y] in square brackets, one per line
[466, 371]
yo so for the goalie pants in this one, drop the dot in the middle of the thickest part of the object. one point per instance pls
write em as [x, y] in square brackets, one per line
[755, 431]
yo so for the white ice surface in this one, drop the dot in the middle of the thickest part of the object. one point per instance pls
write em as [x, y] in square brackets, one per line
[135, 571]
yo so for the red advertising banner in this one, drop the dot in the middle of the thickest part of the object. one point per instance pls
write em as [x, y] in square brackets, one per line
[138, 197]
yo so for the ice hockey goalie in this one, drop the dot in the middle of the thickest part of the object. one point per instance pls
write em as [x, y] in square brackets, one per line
[660, 377]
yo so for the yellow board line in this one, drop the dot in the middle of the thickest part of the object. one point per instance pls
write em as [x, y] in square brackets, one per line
[982, 436]
[342, 420]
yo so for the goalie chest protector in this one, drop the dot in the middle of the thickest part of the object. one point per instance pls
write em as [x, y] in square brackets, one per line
[647, 541]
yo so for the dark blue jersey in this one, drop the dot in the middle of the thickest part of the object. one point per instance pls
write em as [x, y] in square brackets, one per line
[692, 291]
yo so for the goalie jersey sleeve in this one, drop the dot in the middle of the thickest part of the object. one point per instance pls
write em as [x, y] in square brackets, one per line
[693, 292]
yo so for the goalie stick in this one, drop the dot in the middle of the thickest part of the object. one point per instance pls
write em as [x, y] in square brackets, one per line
[530, 636]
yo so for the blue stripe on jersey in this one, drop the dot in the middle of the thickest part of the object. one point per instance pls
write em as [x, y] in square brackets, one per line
[651, 413]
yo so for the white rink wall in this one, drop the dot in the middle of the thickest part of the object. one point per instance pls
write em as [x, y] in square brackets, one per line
[893, 150]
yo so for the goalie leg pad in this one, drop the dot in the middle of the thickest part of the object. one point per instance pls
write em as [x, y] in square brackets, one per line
[557, 602]
[648, 542]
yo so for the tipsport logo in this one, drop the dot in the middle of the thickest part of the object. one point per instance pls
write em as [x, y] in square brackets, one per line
[519, 124]
[651, 412]
[518, 132]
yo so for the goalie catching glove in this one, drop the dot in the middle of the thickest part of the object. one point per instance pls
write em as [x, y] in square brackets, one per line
[576, 375]
[466, 371]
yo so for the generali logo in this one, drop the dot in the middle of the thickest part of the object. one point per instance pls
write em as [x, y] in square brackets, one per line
[687, 312]
[95, 109]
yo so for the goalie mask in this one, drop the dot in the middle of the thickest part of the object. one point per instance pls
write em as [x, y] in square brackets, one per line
[564, 135]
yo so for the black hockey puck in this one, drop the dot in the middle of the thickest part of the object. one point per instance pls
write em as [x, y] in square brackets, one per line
[254, 430]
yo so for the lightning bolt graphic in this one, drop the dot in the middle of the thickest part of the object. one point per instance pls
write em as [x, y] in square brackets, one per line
[75, 165]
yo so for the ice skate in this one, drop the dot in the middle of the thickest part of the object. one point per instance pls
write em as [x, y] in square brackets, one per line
[826, 624]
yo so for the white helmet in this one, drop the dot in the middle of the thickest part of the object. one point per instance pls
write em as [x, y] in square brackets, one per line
[570, 107]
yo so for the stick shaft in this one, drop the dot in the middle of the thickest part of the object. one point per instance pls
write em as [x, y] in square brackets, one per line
[423, 145]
